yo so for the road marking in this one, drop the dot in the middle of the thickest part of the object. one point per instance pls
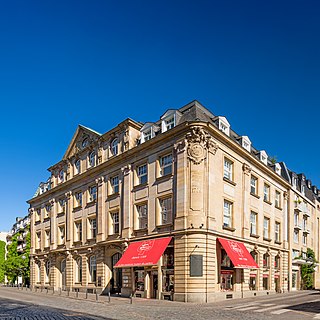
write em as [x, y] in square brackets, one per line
[241, 306]
[249, 308]
[270, 308]
[280, 311]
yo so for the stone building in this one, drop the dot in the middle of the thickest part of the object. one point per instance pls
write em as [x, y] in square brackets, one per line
[182, 208]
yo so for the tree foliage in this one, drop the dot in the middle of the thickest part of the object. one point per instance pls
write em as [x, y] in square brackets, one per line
[18, 264]
[2, 260]
[307, 270]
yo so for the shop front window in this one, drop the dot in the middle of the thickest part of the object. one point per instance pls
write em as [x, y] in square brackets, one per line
[253, 282]
[116, 280]
[139, 279]
[265, 282]
[168, 271]
[226, 280]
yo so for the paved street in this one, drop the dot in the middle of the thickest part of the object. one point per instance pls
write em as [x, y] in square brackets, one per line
[17, 304]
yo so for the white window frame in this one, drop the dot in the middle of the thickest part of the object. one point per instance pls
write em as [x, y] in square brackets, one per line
[62, 234]
[277, 230]
[165, 163]
[78, 197]
[78, 231]
[228, 169]
[47, 240]
[93, 268]
[295, 236]
[266, 227]
[77, 166]
[92, 228]
[253, 222]
[266, 192]
[114, 183]
[115, 217]
[114, 146]
[61, 176]
[277, 199]
[142, 213]
[166, 212]
[254, 185]
[92, 159]
[79, 270]
[47, 268]
[142, 174]
[227, 213]
[93, 193]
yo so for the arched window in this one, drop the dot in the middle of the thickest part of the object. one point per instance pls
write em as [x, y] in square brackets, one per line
[266, 260]
[277, 262]
[38, 272]
[114, 146]
[93, 268]
[47, 266]
[77, 166]
[254, 255]
[79, 270]
[92, 159]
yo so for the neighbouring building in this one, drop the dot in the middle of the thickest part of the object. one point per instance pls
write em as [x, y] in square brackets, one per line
[183, 208]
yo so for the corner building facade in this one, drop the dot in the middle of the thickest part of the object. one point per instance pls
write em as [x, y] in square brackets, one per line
[186, 188]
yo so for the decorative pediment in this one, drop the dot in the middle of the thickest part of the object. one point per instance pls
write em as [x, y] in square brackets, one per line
[82, 139]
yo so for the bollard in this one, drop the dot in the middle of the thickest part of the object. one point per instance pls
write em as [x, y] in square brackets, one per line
[68, 292]
[77, 293]
[86, 293]
[131, 298]
[47, 290]
[109, 297]
[59, 291]
[96, 295]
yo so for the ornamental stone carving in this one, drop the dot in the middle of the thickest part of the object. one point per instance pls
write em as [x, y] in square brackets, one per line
[246, 169]
[199, 142]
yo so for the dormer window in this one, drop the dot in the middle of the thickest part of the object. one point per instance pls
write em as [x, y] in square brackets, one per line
[224, 125]
[277, 169]
[114, 147]
[148, 131]
[246, 143]
[303, 190]
[294, 182]
[169, 120]
[309, 184]
[263, 157]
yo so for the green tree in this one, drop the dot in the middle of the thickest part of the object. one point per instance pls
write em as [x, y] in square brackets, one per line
[2, 260]
[307, 270]
[18, 263]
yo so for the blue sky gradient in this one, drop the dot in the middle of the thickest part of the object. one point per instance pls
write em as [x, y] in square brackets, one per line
[95, 63]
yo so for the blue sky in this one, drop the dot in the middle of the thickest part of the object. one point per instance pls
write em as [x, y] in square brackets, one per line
[95, 63]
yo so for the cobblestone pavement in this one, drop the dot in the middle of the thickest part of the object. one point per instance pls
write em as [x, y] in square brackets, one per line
[36, 305]
[14, 310]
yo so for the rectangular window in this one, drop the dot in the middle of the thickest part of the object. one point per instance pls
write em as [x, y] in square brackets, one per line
[114, 182]
[169, 123]
[115, 222]
[304, 224]
[92, 193]
[253, 223]
[254, 185]
[266, 227]
[47, 232]
[166, 165]
[227, 214]
[78, 231]
[228, 169]
[277, 201]
[47, 210]
[304, 239]
[38, 215]
[277, 232]
[61, 234]
[147, 135]
[93, 228]
[266, 193]
[142, 174]
[296, 236]
[166, 210]
[62, 205]
[296, 219]
[38, 242]
[78, 197]
[142, 211]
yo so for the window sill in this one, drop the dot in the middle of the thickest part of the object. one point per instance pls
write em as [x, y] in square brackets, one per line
[277, 207]
[266, 239]
[228, 228]
[112, 196]
[37, 222]
[267, 201]
[255, 195]
[46, 219]
[277, 242]
[140, 186]
[163, 178]
[46, 248]
[77, 242]
[91, 203]
[60, 214]
[77, 208]
[229, 181]
[254, 235]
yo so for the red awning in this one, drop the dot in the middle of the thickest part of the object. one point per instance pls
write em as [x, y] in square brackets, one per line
[143, 253]
[238, 253]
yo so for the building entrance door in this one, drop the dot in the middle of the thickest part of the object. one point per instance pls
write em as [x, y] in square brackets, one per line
[154, 285]
[63, 274]
[294, 280]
